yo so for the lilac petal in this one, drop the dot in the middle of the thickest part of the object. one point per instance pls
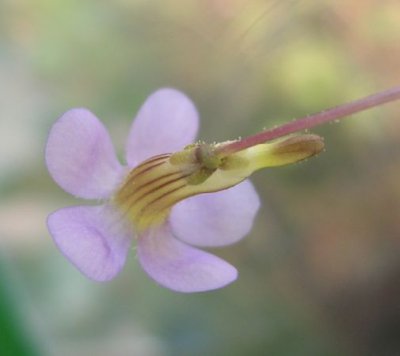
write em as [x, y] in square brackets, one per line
[216, 219]
[92, 239]
[80, 156]
[166, 122]
[180, 267]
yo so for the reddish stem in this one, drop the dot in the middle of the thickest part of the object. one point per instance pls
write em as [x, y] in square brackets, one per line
[310, 121]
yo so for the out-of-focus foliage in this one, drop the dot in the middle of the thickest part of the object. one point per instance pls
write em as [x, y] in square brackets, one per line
[319, 274]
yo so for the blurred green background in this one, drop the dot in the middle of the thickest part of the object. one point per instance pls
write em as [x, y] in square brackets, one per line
[320, 271]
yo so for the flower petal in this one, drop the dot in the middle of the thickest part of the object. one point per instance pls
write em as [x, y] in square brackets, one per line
[92, 239]
[216, 219]
[166, 122]
[180, 267]
[80, 156]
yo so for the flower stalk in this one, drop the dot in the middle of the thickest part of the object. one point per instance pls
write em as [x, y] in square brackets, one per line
[311, 121]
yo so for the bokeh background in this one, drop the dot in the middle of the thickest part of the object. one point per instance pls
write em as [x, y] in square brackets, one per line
[320, 271]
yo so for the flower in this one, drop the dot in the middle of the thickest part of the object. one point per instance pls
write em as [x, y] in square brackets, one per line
[173, 195]
[96, 239]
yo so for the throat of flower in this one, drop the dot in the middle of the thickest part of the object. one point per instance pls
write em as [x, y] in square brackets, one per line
[149, 191]
[152, 188]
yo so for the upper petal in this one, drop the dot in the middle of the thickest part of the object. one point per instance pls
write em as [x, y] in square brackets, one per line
[216, 219]
[80, 156]
[180, 267]
[166, 122]
[92, 239]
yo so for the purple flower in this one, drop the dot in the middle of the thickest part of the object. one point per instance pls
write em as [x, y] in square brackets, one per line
[157, 198]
